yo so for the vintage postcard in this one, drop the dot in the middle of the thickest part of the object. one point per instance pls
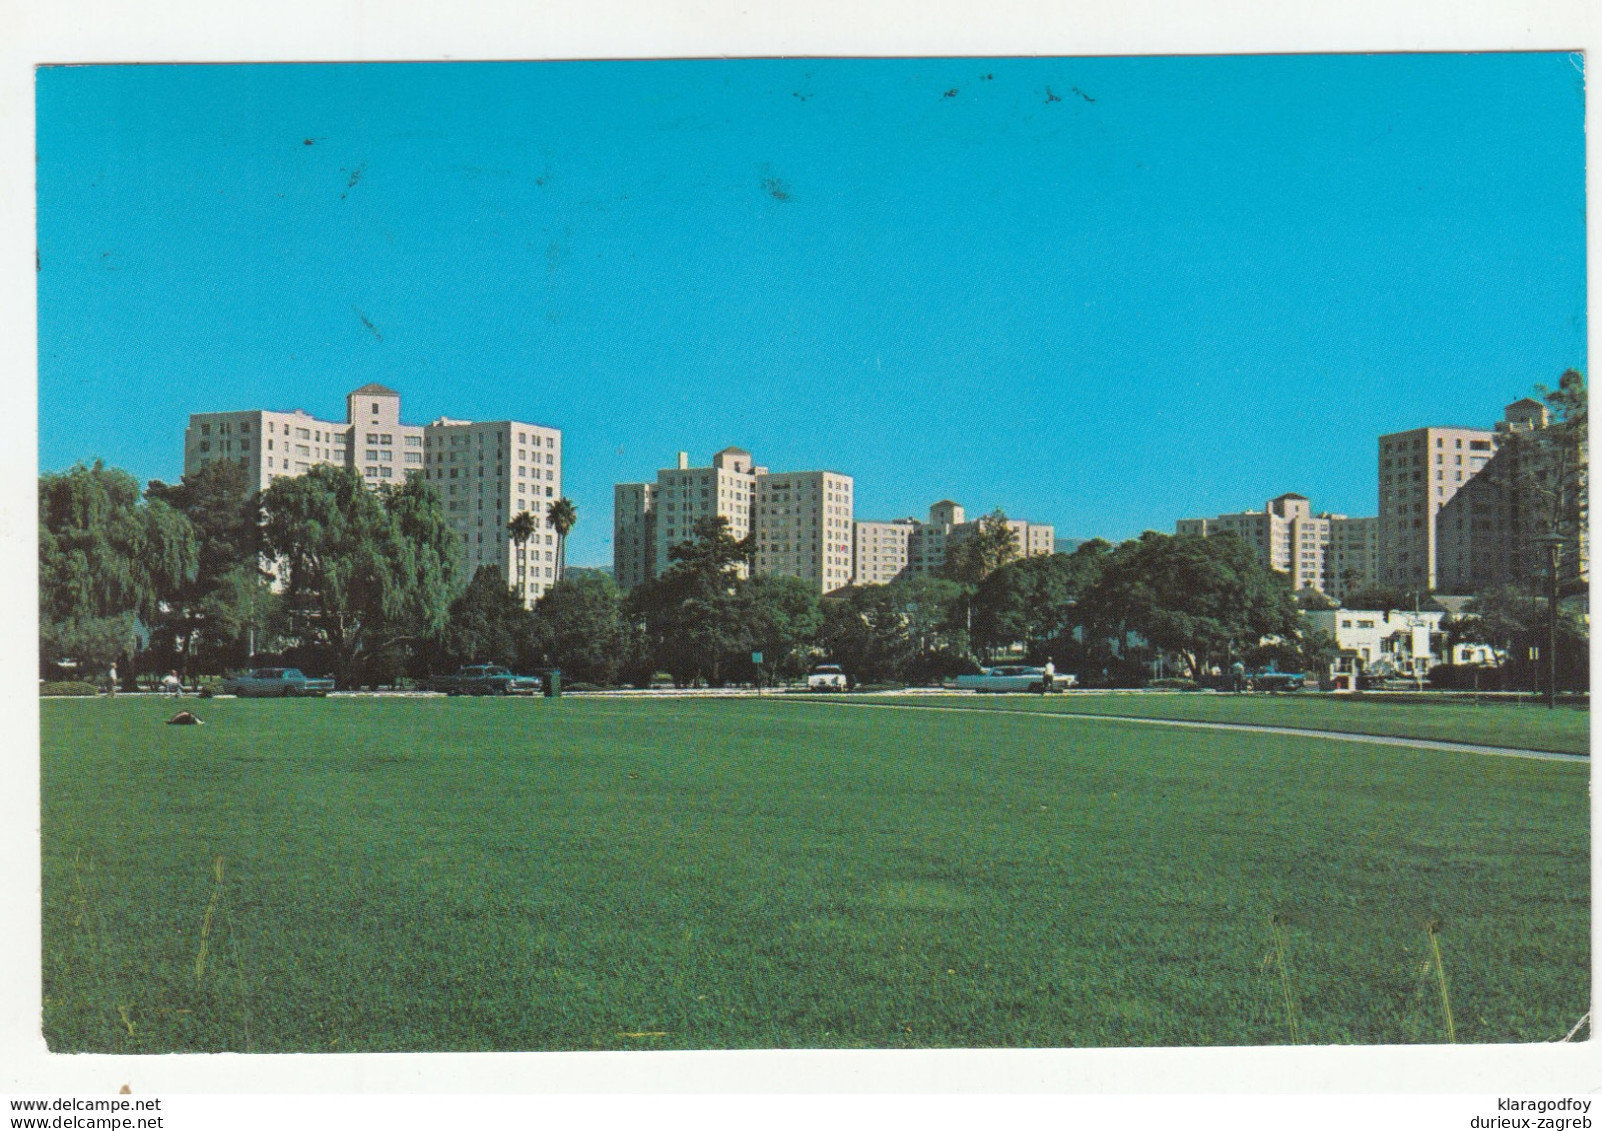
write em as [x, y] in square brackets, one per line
[785, 554]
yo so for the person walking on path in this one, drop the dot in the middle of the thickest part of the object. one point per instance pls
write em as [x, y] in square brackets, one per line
[111, 680]
[172, 685]
[1049, 678]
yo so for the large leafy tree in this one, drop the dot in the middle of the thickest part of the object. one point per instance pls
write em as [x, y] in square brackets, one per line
[934, 611]
[1311, 652]
[910, 630]
[1035, 602]
[690, 617]
[781, 619]
[488, 623]
[1512, 619]
[971, 559]
[107, 561]
[1204, 599]
[579, 628]
[865, 631]
[1553, 479]
[218, 617]
[429, 553]
[365, 574]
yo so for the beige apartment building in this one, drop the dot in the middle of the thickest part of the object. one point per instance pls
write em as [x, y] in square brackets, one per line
[804, 527]
[1420, 473]
[1291, 539]
[879, 553]
[928, 542]
[483, 473]
[1351, 559]
[633, 533]
[1486, 534]
[685, 494]
[801, 520]
[926, 546]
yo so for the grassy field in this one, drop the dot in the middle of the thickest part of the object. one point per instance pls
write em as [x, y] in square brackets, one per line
[431, 874]
[1566, 730]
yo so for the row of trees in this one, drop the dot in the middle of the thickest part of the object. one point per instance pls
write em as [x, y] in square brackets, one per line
[205, 576]
[369, 587]
[1099, 611]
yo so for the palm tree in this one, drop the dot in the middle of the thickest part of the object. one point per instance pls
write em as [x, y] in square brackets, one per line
[522, 528]
[562, 516]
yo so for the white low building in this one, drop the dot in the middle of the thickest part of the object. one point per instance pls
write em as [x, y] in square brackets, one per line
[1382, 642]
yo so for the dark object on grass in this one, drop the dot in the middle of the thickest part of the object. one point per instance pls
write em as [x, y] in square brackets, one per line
[184, 719]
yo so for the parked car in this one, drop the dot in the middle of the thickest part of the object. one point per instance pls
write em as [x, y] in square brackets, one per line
[1011, 677]
[486, 679]
[275, 683]
[827, 677]
[1276, 681]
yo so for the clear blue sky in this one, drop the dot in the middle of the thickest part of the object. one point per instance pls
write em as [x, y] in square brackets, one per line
[1104, 293]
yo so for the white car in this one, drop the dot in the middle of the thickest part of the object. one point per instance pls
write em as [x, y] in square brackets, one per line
[1013, 677]
[827, 677]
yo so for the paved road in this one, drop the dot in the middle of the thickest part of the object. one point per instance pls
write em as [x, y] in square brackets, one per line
[1248, 728]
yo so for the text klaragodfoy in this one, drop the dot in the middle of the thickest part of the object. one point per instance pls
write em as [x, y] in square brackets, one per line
[1542, 1115]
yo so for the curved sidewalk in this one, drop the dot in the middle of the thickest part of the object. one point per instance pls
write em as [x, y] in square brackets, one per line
[1246, 728]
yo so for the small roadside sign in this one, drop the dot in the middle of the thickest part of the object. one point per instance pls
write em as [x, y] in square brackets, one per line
[756, 657]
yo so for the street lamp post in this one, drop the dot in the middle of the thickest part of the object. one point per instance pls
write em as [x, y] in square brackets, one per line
[1552, 544]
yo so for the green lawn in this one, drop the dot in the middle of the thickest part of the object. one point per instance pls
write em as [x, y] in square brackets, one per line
[431, 874]
[1566, 730]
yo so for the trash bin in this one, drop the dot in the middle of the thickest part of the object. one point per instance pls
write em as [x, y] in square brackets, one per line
[553, 684]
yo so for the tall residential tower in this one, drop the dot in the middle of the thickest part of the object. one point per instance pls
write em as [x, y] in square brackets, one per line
[800, 520]
[483, 473]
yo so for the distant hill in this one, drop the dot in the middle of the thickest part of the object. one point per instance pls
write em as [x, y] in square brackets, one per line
[589, 571]
[1067, 545]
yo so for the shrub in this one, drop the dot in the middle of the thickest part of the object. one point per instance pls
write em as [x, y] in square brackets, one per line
[1454, 677]
[68, 687]
[1174, 683]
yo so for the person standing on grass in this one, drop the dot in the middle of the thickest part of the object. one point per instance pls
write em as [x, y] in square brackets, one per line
[111, 680]
[1049, 678]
